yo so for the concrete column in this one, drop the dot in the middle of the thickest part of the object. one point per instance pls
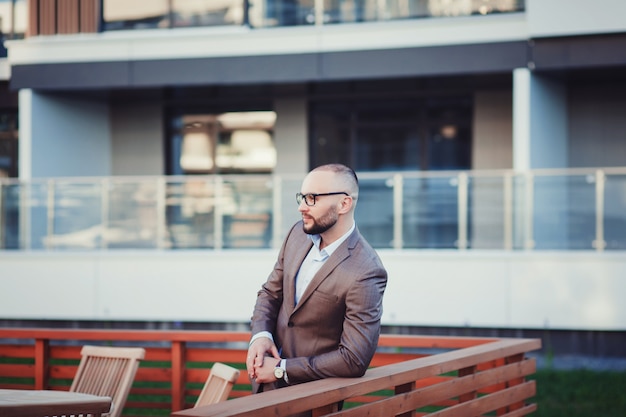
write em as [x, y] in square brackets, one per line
[540, 140]
[62, 136]
[539, 122]
[290, 136]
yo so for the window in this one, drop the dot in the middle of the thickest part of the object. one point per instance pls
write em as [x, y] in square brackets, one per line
[388, 135]
[235, 142]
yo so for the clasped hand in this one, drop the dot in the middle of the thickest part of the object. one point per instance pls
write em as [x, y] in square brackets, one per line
[262, 359]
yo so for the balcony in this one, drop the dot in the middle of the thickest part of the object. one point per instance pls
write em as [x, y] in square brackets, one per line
[574, 209]
[111, 15]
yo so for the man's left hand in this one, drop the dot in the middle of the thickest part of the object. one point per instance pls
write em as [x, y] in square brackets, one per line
[265, 372]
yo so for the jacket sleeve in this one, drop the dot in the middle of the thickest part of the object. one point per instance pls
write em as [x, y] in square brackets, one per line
[270, 296]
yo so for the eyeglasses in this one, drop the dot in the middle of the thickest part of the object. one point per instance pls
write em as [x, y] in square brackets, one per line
[309, 199]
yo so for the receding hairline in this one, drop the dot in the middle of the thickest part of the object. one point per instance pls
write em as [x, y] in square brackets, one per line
[346, 175]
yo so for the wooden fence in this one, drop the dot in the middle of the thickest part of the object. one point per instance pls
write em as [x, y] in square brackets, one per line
[410, 375]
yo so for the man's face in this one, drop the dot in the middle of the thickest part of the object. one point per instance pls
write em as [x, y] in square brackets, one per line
[324, 214]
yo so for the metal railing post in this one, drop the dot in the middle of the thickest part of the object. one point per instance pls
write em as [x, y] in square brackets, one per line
[277, 211]
[529, 242]
[599, 243]
[2, 218]
[218, 233]
[319, 12]
[104, 193]
[25, 215]
[508, 211]
[161, 218]
[462, 210]
[398, 211]
[50, 211]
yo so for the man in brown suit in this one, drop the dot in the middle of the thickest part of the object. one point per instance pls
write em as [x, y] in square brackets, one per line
[318, 314]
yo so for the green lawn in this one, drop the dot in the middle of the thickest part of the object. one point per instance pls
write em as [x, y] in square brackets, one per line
[579, 393]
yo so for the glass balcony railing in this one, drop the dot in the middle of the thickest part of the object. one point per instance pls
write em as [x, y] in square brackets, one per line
[504, 210]
[140, 14]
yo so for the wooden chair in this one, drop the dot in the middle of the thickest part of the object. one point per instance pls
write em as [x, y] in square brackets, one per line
[108, 372]
[218, 385]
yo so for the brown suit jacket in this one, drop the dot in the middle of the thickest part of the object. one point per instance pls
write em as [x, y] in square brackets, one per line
[334, 329]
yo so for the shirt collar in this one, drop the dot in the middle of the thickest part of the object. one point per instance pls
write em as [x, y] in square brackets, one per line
[328, 250]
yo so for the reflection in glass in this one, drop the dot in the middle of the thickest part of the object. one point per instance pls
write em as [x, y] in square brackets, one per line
[135, 14]
[77, 223]
[374, 211]
[238, 142]
[563, 212]
[430, 209]
[615, 212]
[505, 211]
[486, 212]
[190, 212]
[132, 220]
[13, 18]
[186, 13]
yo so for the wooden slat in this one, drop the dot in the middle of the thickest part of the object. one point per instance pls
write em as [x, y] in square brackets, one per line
[16, 351]
[17, 370]
[308, 396]
[88, 16]
[438, 393]
[33, 18]
[216, 355]
[47, 17]
[432, 342]
[491, 402]
[67, 16]
[126, 335]
[527, 409]
[198, 350]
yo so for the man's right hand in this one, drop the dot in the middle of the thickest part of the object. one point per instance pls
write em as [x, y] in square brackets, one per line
[257, 350]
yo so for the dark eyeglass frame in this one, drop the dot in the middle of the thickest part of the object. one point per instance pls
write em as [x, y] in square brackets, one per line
[305, 197]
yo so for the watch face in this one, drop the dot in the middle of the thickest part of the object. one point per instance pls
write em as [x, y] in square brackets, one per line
[278, 373]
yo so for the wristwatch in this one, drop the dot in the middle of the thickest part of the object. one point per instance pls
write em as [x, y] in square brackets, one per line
[279, 372]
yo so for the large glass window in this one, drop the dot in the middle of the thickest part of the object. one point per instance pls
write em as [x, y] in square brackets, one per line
[221, 143]
[388, 135]
[141, 14]
[8, 143]
[13, 21]
[303, 12]
[225, 143]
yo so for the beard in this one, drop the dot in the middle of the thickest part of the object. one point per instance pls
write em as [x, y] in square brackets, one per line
[322, 224]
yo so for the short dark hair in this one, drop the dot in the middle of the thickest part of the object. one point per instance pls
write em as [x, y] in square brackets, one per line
[346, 173]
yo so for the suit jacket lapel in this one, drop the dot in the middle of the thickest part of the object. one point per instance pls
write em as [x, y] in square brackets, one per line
[291, 270]
[340, 254]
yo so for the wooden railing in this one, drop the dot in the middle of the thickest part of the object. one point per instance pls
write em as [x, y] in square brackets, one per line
[438, 376]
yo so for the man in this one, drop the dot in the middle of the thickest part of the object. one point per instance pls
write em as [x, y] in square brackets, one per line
[318, 314]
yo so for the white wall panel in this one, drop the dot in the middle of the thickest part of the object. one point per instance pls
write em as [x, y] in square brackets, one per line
[575, 17]
[556, 290]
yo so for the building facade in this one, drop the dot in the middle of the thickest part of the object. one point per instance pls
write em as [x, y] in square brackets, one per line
[110, 89]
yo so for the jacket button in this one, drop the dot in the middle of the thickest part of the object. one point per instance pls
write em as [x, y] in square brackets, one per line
[290, 324]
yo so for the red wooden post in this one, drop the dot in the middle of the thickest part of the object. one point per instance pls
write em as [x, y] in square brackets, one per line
[178, 375]
[42, 363]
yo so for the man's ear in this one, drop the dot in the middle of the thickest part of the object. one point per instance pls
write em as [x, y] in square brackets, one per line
[345, 205]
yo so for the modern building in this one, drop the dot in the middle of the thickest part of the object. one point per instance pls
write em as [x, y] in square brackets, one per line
[161, 143]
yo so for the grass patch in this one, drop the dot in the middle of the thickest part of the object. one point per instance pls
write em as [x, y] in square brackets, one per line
[579, 393]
